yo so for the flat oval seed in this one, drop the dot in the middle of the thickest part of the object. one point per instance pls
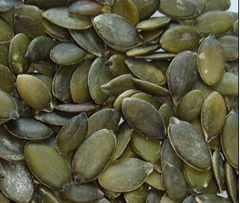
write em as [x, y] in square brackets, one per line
[197, 180]
[91, 158]
[7, 79]
[67, 54]
[99, 74]
[146, 71]
[33, 91]
[29, 129]
[153, 23]
[61, 83]
[182, 74]
[213, 116]
[116, 31]
[16, 182]
[104, 119]
[6, 32]
[11, 148]
[72, 134]
[191, 105]
[17, 50]
[134, 110]
[218, 169]
[61, 17]
[139, 195]
[179, 9]
[47, 165]
[158, 56]
[231, 182]
[211, 63]
[229, 139]
[228, 85]
[76, 108]
[215, 22]
[174, 182]
[52, 118]
[79, 83]
[189, 144]
[125, 175]
[147, 148]
[86, 192]
[209, 198]
[142, 50]
[86, 7]
[88, 40]
[230, 47]
[155, 181]
[127, 9]
[217, 5]
[180, 38]
[8, 107]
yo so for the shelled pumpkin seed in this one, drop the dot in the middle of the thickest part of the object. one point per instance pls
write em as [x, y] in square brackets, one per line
[104, 101]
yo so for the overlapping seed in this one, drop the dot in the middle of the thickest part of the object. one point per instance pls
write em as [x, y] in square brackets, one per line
[121, 101]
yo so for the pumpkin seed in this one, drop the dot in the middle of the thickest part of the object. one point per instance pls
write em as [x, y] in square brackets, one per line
[212, 125]
[158, 56]
[7, 79]
[90, 158]
[6, 33]
[146, 8]
[139, 195]
[142, 50]
[125, 175]
[153, 23]
[117, 65]
[134, 110]
[40, 159]
[230, 47]
[217, 5]
[4, 47]
[76, 108]
[146, 97]
[166, 112]
[189, 144]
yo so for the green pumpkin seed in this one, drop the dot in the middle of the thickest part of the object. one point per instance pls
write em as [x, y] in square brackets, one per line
[40, 159]
[4, 47]
[181, 74]
[72, 134]
[67, 54]
[191, 105]
[17, 50]
[86, 7]
[55, 31]
[229, 139]
[126, 9]
[209, 198]
[90, 158]
[99, 74]
[189, 144]
[155, 180]
[158, 56]
[166, 112]
[60, 17]
[146, 97]
[150, 35]
[46, 195]
[29, 129]
[214, 22]
[88, 40]
[231, 182]
[166, 199]
[213, 116]
[142, 50]
[38, 96]
[153, 23]
[150, 88]
[7, 79]
[117, 65]
[6, 32]
[228, 85]
[125, 175]
[146, 71]
[174, 182]
[11, 148]
[123, 140]
[8, 107]
[230, 47]
[16, 182]
[179, 9]
[82, 192]
[134, 110]
[217, 5]
[137, 196]
[148, 149]
[179, 38]
[211, 62]
[116, 31]
[197, 180]
[39, 48]
[105, 118]
[76, 108]
[218, 169]
[118, 85]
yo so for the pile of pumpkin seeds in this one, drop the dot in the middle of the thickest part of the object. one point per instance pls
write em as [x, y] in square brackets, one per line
[101, 101]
